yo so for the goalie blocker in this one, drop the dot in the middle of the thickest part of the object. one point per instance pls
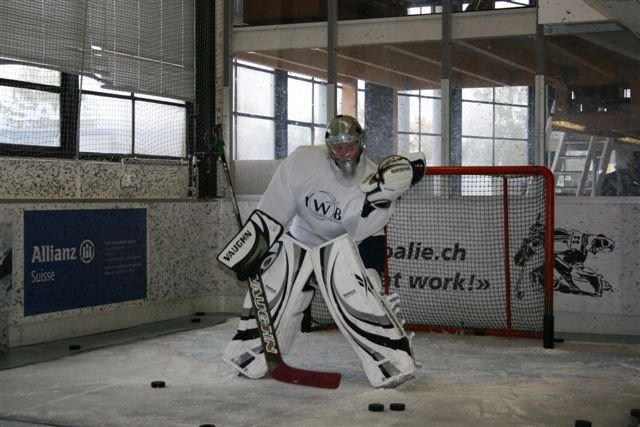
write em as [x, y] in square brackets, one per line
[244, 253]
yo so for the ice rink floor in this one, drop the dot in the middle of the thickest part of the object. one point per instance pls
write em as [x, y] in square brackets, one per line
[464, 381]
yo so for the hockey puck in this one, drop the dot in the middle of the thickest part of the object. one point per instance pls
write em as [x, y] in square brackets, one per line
[583, 423]
[201, 313]
[207, 425]
[73, 347]
[376, 407]
[195, 320]
[158, 384]
[635, 413]
[397, 406]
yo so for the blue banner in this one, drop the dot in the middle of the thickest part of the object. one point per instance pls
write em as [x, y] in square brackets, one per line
[83, 258]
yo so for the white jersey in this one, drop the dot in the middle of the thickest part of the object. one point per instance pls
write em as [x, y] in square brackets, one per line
[310, 194]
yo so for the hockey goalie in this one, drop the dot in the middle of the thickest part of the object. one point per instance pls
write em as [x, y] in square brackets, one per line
[333, 203]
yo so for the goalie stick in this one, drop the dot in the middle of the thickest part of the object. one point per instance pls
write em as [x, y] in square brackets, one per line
[278, 369]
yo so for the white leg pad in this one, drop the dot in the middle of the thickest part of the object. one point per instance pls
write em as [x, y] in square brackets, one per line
[362, 314]
[284, 272]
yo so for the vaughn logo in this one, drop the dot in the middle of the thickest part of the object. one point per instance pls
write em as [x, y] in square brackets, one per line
[237, 245]
[50, 253]
[323, 205]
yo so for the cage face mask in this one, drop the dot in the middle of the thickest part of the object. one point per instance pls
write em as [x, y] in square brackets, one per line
[345, 142]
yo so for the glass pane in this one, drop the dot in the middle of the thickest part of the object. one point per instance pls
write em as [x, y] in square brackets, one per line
[95, 85]
[511, 153]
[361, 102]
[255, 92]
[318, 134]
[431, 146]
[254, 139]
[29, 117]
[404, 114]
[430, 115]
[408, 143]
[414, 114]
[419, 113]
[511, 122]
[623, 177]
[300, 100]
[105, 125]
[518, 95]
[320, 103]
[477, 152]
[159, 98]
[477, 119]
[511, 4]
[297, 136]
[160, 130]
[478, 94]
[26, 73]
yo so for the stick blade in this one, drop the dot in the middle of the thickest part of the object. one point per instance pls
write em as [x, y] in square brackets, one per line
[298, 376]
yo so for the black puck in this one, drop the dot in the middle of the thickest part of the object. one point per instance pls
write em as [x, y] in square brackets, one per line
[201, 313]
[635, 413]
[582, 423]
[195, 320]
[158, 384]
[397, 406]
[376, 407]
[74, 347]
[207, 425]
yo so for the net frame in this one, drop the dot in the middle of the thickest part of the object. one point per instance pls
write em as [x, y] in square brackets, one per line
[506, 172]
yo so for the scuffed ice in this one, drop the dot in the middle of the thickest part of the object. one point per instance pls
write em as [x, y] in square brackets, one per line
[464, 381]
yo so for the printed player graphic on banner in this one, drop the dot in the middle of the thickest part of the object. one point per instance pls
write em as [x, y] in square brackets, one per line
[571, 250]
[530, 260]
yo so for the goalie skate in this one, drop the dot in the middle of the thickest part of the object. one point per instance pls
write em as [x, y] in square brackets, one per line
[365, 318]
[284, 271]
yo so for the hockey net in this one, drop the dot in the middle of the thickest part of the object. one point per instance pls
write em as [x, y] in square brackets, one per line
[470, 250]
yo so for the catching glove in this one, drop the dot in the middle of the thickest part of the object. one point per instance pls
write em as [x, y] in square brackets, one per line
[393, 177]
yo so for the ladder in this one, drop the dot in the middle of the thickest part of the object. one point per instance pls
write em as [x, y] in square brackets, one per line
[580, 162]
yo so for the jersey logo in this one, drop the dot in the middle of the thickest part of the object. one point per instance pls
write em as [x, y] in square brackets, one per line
[323, 206]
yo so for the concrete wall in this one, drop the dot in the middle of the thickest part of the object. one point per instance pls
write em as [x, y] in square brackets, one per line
[184, 236]
[182, 241]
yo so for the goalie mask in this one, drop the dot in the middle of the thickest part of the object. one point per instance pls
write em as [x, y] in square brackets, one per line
[345, 140]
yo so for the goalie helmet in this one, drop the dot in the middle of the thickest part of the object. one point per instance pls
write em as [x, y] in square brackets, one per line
[345, 141]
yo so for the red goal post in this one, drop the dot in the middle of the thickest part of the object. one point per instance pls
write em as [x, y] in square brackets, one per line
[470, 250]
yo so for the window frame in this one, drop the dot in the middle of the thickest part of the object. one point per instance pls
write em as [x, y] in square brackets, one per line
[70, 95]
[527, 139]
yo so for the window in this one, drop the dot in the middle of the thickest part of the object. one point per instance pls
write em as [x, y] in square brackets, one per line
[307, 106]
[116, 122]
[40, 117]
[122, 50]
[276, 112]
[254, 112]
[495, 126]
[419, 123]
[29, 106]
